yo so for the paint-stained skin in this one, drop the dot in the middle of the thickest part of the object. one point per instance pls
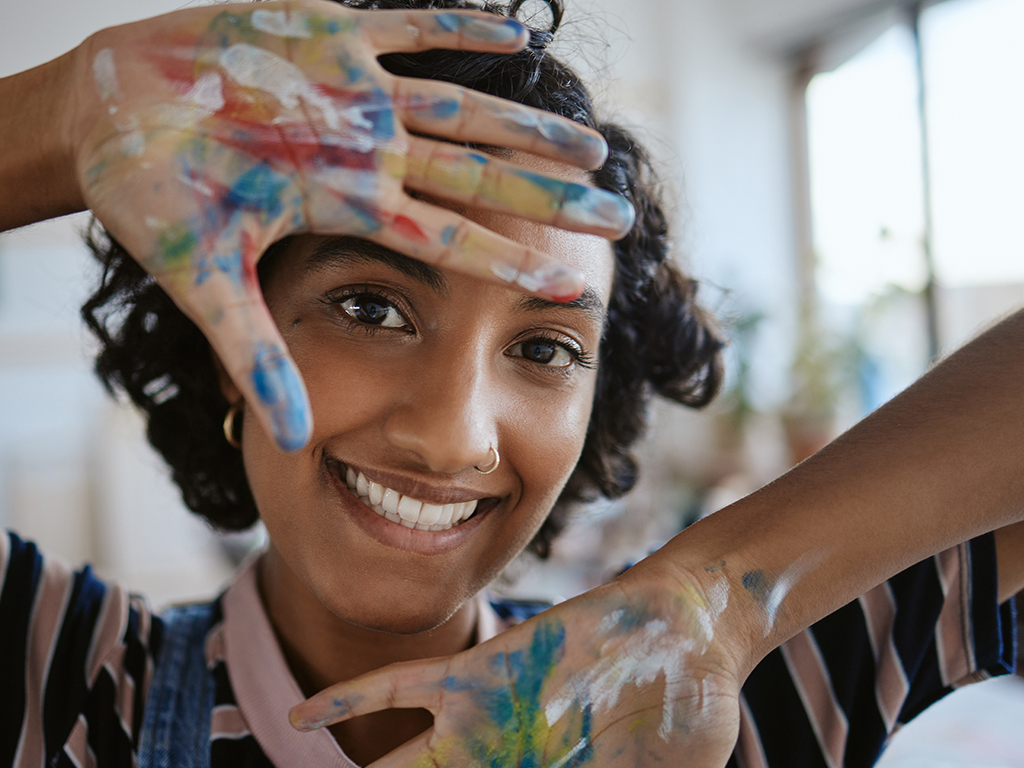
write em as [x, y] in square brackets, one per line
[234, 127]
[518, 731]
[623, 680]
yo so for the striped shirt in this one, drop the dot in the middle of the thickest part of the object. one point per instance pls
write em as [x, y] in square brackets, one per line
[78, 658]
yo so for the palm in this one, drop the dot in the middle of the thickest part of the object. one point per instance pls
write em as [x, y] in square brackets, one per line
[611, 678]
[214, 132]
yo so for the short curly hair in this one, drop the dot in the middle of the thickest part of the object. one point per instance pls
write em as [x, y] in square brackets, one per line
[656, 338]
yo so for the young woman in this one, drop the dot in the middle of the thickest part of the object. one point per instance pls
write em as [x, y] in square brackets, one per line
[454, 422]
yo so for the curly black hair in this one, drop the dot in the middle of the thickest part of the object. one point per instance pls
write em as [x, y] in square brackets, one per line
[656, 340]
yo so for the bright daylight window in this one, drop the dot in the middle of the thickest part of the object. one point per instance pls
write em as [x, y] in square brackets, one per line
[868, 188]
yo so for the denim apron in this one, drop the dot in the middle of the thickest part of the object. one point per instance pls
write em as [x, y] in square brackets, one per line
[176, 722]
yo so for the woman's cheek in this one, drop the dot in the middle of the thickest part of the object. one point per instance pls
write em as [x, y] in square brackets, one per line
[552, 442]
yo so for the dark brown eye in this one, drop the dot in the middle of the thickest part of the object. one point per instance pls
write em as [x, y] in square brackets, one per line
[373, 310]
[544, 352]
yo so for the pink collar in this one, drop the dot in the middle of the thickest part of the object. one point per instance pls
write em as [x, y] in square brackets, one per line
[264, 687]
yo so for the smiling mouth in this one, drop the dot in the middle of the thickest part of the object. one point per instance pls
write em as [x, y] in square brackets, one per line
[405, 510]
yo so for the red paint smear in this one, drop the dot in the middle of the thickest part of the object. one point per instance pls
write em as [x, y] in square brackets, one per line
[408, 229]
[567, 298]
[249, 256]
[243, 122]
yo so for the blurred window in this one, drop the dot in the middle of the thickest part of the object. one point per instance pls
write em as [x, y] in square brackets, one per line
[878, 161]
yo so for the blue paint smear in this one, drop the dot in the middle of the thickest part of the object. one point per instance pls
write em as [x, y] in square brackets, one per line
[756, 583]
[279, 387]
[444, 108]
[495, 30]
[258, 189]
[480, 159]
[202, 271]
[448, 233]
[449, 22]
[231, 265]
[377, 108]
[454, 684]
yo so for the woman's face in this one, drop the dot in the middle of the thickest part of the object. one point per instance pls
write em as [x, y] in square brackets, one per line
[414, 373]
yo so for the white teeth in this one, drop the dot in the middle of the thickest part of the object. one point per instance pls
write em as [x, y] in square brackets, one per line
[406, 510]
[409, 509]
[390, 501]
[376, 493]
[430, 514]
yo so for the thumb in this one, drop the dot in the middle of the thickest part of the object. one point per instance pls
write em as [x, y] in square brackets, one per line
[405, 685]
[221, 294]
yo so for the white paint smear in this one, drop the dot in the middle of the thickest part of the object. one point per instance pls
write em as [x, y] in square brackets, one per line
[785, 583]
[104, 72]
[281, 23]
[638, 660]
[257, 68]
[207, 95]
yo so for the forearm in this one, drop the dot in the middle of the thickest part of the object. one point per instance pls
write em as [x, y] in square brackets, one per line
[37, 173]
[938, 465]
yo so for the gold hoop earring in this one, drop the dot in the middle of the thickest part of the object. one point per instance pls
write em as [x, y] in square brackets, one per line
[494, 466]
[229, 425]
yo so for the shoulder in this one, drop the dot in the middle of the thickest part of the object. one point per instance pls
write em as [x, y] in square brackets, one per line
[67, 639]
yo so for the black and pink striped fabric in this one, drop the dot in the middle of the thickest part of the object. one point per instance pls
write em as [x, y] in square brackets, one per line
[77, 655]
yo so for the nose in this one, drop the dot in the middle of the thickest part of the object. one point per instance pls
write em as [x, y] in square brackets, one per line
[448, 418]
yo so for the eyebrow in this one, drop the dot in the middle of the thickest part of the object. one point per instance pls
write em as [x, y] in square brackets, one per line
[588, 302]
[343, 250]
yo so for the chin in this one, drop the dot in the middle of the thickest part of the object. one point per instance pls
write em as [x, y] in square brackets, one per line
[396, 616]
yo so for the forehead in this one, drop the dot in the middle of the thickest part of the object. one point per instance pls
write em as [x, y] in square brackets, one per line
[590, 254]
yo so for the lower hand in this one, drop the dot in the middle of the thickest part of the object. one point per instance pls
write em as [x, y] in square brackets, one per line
[634, 673]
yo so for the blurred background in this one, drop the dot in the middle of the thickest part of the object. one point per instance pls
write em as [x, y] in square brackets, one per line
[846, 178]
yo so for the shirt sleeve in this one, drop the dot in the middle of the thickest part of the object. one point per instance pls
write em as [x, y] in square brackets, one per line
[75, 660]
[833, 694]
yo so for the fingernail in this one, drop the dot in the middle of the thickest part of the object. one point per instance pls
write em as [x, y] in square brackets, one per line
[556, 280]
[280, 389]
[578, 145]
[591, 207]
[587, 150]
[484, 30]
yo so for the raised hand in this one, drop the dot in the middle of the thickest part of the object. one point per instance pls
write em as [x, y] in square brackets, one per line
[204, 136]
[630, 674]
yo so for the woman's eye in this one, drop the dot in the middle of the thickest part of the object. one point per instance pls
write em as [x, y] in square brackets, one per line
[373, 310]
[544, 352]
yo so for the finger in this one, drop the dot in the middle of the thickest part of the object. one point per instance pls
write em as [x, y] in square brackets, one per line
[221, 294]
[481, 180]
[443, 238]
[406, 685]
[411, 31]
[453, 112]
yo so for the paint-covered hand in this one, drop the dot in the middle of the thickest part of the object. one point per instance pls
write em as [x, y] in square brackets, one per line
[204, 136]
[630, 674]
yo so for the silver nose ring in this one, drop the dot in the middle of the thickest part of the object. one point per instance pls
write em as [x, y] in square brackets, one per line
[494, 466]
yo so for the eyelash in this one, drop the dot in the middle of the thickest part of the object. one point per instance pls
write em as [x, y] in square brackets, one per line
[580, 357]
[337, 299]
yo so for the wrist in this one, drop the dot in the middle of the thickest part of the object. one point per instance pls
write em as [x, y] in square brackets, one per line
[38, 179]
[700, 592]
